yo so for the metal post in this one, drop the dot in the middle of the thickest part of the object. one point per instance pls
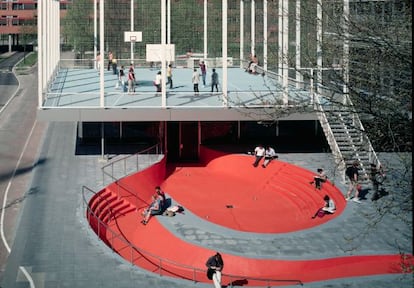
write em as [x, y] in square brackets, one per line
[299, 78]
[285, 48]
[253, 27]
[102, 53]
[132, 29]
[95, 32]
[224, 52]
[345, 68]
[40, 49]
[205, 29]
[265, 35]
[318, 45]
[163, 57]
[241, 33]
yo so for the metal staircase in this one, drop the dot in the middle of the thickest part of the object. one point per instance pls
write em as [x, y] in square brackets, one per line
[346, 136]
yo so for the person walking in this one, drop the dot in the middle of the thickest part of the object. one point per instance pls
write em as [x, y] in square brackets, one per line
[215, 265]
[169, 76]
[352, 174]
[214, 80]
[195, 79]
[203, 69]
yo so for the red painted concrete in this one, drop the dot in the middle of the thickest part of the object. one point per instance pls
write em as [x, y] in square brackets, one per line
[277, 199]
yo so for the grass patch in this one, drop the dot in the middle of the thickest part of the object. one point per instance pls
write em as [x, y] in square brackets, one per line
[28, 61]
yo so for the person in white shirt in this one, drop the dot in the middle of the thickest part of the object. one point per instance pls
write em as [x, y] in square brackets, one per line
[259, 153]
[195, 79]
[270, 154]
[319, 179]
[329, 207]
[157, 81]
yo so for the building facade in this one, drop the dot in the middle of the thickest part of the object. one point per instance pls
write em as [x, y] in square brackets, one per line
[18, 21]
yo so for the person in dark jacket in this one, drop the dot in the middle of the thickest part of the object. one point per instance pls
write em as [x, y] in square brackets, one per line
[215, 265]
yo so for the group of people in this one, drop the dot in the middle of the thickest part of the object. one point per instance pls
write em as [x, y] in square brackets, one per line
[156, 207]
[128, 81]
[195, 78]
[267, 153]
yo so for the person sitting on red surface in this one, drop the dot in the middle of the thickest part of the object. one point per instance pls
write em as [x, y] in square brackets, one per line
[319, 179]
[154, 209]
[329, 207]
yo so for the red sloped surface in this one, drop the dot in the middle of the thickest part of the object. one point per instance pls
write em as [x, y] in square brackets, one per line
[154, 239]
[276, 199]
[273, 200]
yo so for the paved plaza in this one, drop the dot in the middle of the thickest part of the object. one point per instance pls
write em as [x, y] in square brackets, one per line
[54, 245]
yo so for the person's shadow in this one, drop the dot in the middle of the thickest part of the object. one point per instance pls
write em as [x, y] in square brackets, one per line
[363, 193]
[381, 193]
[235, 283]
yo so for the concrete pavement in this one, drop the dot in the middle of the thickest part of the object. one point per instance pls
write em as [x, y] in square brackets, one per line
[56, 248]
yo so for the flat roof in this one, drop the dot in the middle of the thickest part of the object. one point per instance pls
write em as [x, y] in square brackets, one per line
[74, 95]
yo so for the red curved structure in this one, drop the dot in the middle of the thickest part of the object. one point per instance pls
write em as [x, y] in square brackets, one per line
[230, 192]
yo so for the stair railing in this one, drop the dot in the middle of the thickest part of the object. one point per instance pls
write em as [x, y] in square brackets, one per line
[163, 265]
[330, 137]
[119, 168]
[356, 121]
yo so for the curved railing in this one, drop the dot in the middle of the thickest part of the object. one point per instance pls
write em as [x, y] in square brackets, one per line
[134, 163]
[119, 168]
[164, 266]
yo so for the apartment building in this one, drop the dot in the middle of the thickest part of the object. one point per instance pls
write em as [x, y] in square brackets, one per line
[18, 18]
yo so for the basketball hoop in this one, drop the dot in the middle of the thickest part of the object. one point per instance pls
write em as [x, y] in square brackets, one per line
[133, 38]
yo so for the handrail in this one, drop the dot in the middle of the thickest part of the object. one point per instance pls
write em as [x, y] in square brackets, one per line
[163, 264]
[330, 137]
[356, 122]
[372, 155]
[125, 164]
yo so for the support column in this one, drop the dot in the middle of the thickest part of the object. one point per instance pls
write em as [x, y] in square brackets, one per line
[280, 40]
[40, 50]
[224, 50]
[168, 21]
[205, 30]
[253, 27]
[285, 47]
[265, 35]
[318, 45]
[95, 33]
[241, 33]
[345, 68]
[299, 78]
[163, 57]
[102, 52]
[132, 29]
